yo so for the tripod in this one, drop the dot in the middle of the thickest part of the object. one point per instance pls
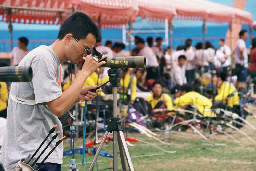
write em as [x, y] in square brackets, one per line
[114, 126]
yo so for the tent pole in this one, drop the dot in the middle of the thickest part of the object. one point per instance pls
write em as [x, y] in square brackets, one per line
[202, 67]
[170, 35]
[10, 27]
[130, 36]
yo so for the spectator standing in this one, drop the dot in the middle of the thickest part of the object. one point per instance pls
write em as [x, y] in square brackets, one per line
[179, 71]
[226, 61]
[19, 52]
[241, 57]
[190, 55]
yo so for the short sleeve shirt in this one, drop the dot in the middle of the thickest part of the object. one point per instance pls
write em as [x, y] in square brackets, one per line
[241, 44]
[28, 125]
[18, 54]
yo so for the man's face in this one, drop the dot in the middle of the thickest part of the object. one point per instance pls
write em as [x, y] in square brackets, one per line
[214, 80]
[182, 62]
[21, 45]
[157, 90]
[245, 36]
[76, 49]
[159, 42]
[140, 45]
[221, 43]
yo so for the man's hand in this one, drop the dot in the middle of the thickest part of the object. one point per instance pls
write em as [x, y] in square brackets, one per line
[91, 65]
[86, 94]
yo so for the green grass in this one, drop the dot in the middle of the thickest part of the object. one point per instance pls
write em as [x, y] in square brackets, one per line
[191, 154]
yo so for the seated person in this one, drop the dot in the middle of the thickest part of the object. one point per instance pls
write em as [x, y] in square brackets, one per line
[191, 98]
[227, 92]
[159, 101]
[176, 91]
[127, 86]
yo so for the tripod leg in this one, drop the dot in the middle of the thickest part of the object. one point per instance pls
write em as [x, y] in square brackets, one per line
[125, 148]
[115, 150]
[98, 151]
[121, 149]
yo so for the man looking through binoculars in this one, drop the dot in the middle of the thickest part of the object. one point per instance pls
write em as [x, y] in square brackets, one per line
[34, 107]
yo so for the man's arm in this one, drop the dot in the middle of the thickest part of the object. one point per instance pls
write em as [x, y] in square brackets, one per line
[75, 92]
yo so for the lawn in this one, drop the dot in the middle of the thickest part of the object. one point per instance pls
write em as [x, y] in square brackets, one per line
[219, 153]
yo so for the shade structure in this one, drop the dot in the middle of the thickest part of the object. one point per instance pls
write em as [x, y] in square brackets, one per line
[109, 12]
[220, 13]
[156, 10]
[35, 11]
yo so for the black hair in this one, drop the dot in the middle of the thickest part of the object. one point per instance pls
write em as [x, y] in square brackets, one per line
[182, 57]
[79, 25]
[254, 43]
[140, 40]
[241, 33]
[156, 82]
[116, 45]
[223, 40]
[209, 45]
[149, 40]
[175, 89]
[122, 45]
[23, 40]
[136, 38]
[223, 76]
[159, 38]
[108, 42]
[199, 46]
[186, 87]
[180, 47]
[188, 43]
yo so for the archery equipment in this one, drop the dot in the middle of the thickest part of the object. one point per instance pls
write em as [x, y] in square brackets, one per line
[15, 74]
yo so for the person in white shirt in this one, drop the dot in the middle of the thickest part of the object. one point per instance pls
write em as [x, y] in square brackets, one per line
[150, 41]
[105, 51]
[19, 52]
[108, 43]
[158, 49]
[202, 57]
[152, 65]
[174, 57]
[190, 55]
[179, 71]
[241, 57]
[122, 53]
[226, 61]
[211, 54]
[116, 49]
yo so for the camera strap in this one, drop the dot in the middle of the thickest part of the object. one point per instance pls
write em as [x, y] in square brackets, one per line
[22, 101]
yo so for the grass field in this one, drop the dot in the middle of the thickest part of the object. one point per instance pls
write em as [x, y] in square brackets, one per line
[219, 153]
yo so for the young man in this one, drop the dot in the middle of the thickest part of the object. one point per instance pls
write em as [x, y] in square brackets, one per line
[19, 52]
[34, 107]
[151, 60]
[159, 101]
[190, 67]
[227, 93]
[191, 98]
[226, 61]
[158, 49]
[241, 57]
[179, 71]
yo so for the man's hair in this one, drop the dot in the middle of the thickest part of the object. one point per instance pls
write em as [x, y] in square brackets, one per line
[182, 57]
[223, 40]
[23, 40]
[159, 38]
[175, 89]
[79, 25]
[241, 33]
[149, 40]
[155, 83]
[117, 45]
[180, 47]
[188, 43]
[186, 87]
[122, 45]
[199, 46]
[108, 42]
[140, 40]
[209, 45]
[222, 76]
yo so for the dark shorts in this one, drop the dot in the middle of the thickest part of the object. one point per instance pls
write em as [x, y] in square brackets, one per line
[50, 167]
[242, 75]
[190, 76]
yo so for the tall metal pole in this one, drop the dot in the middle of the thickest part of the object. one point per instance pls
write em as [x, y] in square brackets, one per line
[202, 66]
[170, 35]
[115, 147]
[10, 27]
[130, 36]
